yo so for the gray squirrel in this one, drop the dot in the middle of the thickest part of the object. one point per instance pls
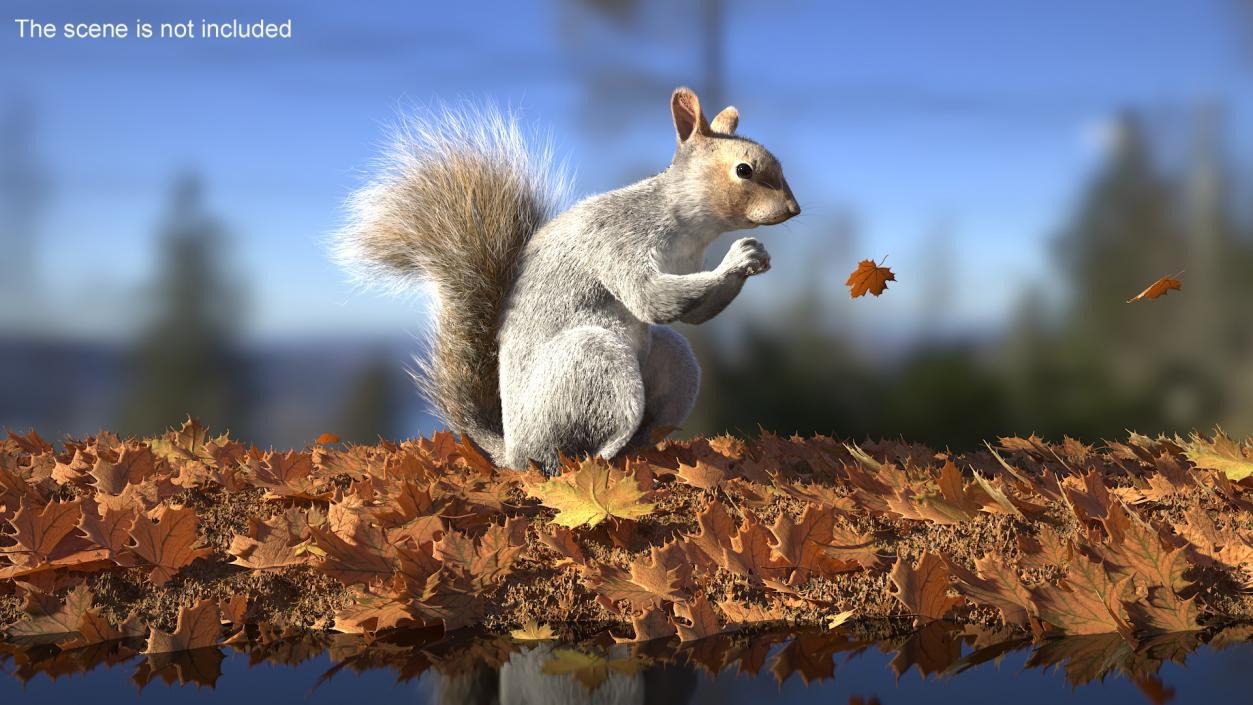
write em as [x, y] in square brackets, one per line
[551, 332]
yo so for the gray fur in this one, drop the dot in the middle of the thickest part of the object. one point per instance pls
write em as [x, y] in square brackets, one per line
[595, 287]
[573, 316]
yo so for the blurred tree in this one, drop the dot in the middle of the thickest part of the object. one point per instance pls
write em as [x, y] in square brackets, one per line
[372, 406]
[23, 191]
[186, 361]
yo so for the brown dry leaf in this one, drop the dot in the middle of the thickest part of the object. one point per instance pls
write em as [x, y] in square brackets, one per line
[806, 545]
[996, 585]
[650, 624]
[135, 465]
[695, 619]
[923, 590]
[368, 613]
[1089, 602]
[869, 277]
[702, 475]
[590, 495]
[198, 626]
[1158, 289]
[109, 530]
[562, 541]
[327, 439]
[167, 545]
[266, 547]
[368, 559]
[47, 615]
[662, 576]
[39, 534]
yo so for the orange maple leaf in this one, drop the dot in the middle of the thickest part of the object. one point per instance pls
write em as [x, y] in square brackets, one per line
[1158, 289]
[924, 590]
[869, 277]
[197, 627]
[166, 545]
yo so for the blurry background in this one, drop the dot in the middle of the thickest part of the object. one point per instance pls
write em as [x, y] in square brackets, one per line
[1026, 168]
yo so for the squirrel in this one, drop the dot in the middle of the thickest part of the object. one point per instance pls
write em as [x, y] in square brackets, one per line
[551, 332]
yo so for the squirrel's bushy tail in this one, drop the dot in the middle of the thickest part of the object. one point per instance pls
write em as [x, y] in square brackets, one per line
[458, 196]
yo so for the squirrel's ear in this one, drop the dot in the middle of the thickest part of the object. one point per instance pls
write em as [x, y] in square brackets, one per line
[726, 121]
[688, 119]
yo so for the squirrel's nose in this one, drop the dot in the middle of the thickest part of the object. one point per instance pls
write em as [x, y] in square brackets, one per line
[793, 207]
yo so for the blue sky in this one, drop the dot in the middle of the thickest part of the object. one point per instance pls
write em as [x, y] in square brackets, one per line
[982, 116]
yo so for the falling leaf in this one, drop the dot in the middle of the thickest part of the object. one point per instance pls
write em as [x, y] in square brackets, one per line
[198, 626]
[327, 439]
[1158, 289]
[869, 277]
[534, 631]
[592, 494]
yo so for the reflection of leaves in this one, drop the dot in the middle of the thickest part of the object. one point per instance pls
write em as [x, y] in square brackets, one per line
[588, 669]
[1085, 658]
[201, 667]
[933, 649]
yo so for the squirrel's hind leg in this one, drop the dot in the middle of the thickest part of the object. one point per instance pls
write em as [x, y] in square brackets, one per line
[584, 395]
[671, 382]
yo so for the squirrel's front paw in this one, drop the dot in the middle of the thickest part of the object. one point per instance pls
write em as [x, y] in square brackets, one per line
[747, 257]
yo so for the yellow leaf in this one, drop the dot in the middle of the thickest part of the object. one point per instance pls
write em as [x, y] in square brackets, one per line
[588, 669]
[534, 631]
[590, 495]
[835, 620]
[1223, 454]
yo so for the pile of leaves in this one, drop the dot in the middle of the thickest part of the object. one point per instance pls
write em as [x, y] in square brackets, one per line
[189, 540]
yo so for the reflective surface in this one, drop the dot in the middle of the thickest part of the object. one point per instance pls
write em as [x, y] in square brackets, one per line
[939, 663]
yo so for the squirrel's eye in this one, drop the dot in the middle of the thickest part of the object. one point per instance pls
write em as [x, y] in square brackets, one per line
[744, 171]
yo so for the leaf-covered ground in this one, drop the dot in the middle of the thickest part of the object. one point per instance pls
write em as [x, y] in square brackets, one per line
[190, 540]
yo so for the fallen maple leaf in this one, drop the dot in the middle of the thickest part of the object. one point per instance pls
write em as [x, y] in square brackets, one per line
[869, 277]
[39, 534]
[48, 616]
[533, 631]
[1093, 604]
[198, 626]
[924, 590]
[996, 585]
[650, 624]
[1158, 289]
[592, 494]
[1221, 454]
[267, 547]
[167, 545]
[695, 619]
